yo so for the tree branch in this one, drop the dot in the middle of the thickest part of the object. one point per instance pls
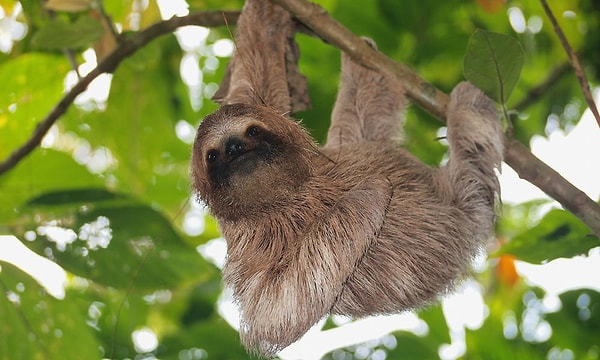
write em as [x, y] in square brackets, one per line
[318, 21]
[434, 101]
[574, 59]
[126, 48]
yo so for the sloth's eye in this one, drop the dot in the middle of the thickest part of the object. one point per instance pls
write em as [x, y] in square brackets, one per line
[253, 131]
[212, 155]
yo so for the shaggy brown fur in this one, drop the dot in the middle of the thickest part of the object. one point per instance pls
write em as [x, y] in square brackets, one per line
[357, 227]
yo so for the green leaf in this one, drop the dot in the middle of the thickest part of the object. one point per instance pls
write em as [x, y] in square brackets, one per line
[74, 196]
[37, 326]
[111, 239]
[34, 12]
[31, 85]
[519, 216]
[411, 346]
[214, 337]
[57, 34]
[493, 63]
[115, 314]
[558, 234]
[577, 325]
[202, 301]
[43, 171]
[479, 346]
[438, 327]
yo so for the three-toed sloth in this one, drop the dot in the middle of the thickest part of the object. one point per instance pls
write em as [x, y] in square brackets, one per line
[356, 227]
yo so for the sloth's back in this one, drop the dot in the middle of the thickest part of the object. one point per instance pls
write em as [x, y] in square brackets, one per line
[425, 244]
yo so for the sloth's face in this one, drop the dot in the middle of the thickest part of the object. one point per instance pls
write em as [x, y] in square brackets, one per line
[243, 145]
[248, 156]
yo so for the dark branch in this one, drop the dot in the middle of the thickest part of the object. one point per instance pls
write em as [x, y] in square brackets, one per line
[434, 101]
[320, 23]
[126, 48]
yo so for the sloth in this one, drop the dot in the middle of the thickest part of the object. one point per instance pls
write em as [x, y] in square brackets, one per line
[358, 226]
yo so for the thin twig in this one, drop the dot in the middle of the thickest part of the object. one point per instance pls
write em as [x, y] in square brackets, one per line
[574, 59]
[68, 52]
[108, 21]
[535, 92]
[74, 65]
[434, 101]
[125, 49]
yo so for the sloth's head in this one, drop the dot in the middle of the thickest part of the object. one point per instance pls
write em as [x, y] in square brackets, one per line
[247, 159]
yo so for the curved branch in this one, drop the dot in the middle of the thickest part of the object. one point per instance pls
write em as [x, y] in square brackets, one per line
[434, 101]
[320, 23]
[126, 48]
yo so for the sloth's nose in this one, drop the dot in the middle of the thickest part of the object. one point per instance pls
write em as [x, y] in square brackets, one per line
[234, 147]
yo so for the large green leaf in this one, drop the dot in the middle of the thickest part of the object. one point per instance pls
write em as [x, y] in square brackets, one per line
[34, 325]
[577, 325]
[493, 63]
[58, 34]
[43, 171]
[109, 238]
[31, 85]
[558, 234]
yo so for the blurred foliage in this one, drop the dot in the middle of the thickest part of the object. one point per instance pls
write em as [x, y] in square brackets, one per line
[558, 234]
[107, 196]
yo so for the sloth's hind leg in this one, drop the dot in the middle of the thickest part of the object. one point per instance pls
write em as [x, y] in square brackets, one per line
[369, 105]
